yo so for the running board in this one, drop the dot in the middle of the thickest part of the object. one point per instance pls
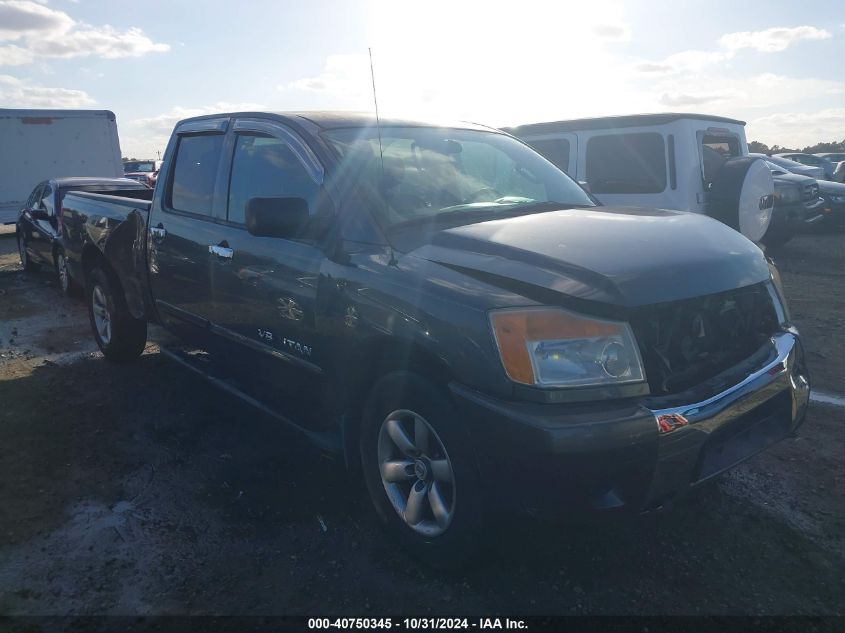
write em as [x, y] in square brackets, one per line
[326, 441]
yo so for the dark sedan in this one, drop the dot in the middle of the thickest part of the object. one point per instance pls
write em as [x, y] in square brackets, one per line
[39, 224]
[797, 204]
[833, 210]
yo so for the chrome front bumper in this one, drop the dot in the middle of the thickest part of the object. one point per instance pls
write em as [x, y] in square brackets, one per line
[700, 440]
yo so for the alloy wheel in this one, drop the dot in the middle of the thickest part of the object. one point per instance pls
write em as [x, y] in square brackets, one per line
[102, 317]
[416, 472]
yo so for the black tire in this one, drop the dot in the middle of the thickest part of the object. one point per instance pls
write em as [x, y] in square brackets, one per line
[125, 337]
[405, 390]
[775, 239]
[26, 261]
[737, 186]
[67, 286]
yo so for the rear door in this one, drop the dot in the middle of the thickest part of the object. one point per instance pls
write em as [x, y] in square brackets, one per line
[264, 288]
[183, 227]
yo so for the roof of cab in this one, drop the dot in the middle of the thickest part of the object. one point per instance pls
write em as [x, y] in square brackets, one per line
[332, 120]
[600, 123]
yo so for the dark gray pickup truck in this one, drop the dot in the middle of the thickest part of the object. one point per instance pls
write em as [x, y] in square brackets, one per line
[450, 311]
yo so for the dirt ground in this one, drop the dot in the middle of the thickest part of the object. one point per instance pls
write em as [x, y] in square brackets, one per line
[140, 489]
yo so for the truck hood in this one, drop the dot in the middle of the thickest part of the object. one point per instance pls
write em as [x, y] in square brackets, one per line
[618, 256]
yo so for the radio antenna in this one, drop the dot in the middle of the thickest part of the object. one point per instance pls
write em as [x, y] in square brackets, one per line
[378, 122]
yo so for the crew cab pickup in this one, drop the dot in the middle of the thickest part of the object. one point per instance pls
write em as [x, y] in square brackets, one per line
[449, 311]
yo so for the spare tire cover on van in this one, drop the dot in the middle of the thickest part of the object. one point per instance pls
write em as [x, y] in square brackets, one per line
[742, 195]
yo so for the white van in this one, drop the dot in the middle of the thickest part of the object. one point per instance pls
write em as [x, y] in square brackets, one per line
[37, 145]
[687, 162]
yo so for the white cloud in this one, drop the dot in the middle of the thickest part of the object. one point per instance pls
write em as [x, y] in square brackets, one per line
[21, 93]
[11, 55]
[613, 31]
[21, 18]
[343, 76]
[105, 41]
[798, 129]
[41, 32]
[683, 100]
[772, 40]
[683, 62]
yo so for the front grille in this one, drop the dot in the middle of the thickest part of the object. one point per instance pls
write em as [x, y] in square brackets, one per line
[809, 193]
[684, 343]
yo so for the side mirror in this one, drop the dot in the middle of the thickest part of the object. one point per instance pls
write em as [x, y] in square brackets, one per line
[585, 185]
[276, 217]
[39, 214]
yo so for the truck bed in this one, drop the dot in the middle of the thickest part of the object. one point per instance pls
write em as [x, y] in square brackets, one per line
[115, 225]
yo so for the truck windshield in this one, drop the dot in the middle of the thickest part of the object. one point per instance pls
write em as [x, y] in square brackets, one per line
[441, 174]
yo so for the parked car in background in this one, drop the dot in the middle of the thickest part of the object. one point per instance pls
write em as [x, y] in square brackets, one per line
[797, 205]
[811, 160]
[450, 312]
[40, 223]
[793, 167]
[686, 162]
[838, 159]
[145, 171]
[833, 210]
[38, 144]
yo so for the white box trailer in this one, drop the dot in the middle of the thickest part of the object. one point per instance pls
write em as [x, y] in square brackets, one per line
[36, 145]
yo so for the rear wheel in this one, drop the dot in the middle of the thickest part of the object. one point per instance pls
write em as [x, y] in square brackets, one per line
[119, 335]
[420, 471]
[67, 285]
[26, 261]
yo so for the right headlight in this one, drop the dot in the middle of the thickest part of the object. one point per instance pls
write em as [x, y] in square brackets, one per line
[552, 347]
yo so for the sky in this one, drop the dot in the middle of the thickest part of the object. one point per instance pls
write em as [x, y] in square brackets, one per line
[779, 65]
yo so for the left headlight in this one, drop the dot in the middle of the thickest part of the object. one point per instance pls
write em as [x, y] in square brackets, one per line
[552, 347]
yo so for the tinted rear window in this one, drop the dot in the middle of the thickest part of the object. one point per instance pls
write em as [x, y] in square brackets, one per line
[194, 174]
[626, 163]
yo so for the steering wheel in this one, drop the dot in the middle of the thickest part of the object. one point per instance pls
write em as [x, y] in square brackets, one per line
[485, 194]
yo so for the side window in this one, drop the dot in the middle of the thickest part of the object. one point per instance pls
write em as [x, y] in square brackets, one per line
[626, 163]
[266, 167]
[46, 201]
[716, 150]
[194, 174]
[554, 150]
[34, 197]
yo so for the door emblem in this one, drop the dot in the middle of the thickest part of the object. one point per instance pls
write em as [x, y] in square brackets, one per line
[351, 318]
[289, 309]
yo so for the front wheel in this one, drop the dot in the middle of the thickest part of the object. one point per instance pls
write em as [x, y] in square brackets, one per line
[120, 336]
[67, 285]
[23, 252]
[420, 471]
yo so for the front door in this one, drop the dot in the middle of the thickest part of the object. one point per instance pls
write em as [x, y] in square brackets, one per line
[265, 289]
[182, 229]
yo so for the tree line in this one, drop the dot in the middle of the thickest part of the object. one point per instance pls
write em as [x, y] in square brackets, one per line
[761, 148]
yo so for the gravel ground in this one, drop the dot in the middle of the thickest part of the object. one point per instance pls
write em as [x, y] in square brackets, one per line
[140, 489]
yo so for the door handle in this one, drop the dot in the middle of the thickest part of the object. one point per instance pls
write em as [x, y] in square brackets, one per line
[221, 251]
[158, 232]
